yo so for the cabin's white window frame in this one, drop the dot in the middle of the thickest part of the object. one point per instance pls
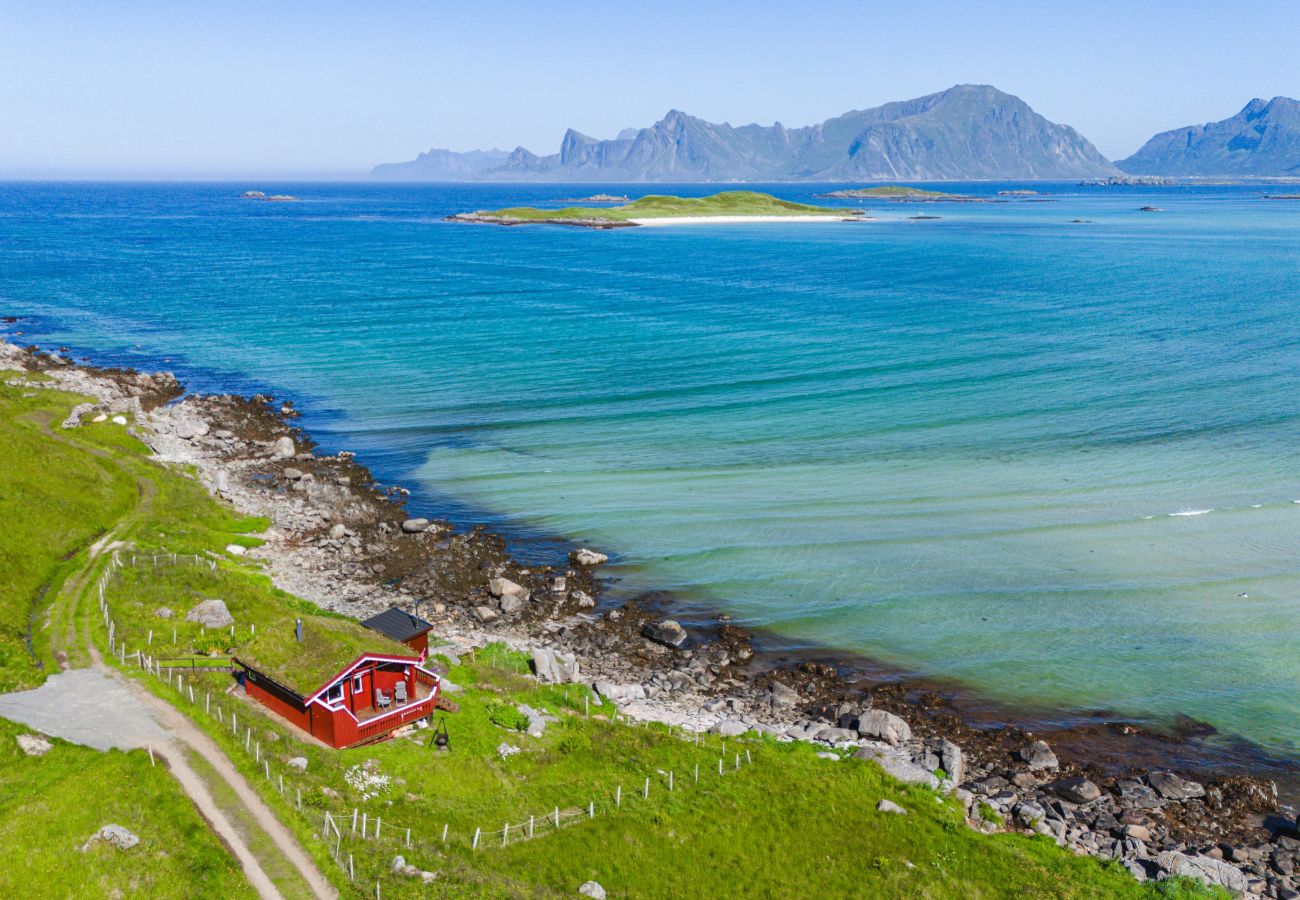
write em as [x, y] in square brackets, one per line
[358, 684]
[335, 693]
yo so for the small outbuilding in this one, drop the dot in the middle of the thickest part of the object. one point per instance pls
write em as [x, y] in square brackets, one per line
[403, 627]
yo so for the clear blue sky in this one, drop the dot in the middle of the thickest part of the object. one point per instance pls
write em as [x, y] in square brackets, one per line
[234, 88]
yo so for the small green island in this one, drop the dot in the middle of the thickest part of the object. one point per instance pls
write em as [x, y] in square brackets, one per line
[654, 209]
[898, 193]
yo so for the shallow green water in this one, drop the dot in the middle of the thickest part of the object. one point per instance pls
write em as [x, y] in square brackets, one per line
[1055, 461]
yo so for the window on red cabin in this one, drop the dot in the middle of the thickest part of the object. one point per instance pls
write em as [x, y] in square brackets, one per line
[334, 694]
[358, 684]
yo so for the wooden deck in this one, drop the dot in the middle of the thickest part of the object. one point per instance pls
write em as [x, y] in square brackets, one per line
[422, 692]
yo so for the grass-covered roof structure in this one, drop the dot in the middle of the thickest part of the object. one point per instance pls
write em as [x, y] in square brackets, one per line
[328, 644]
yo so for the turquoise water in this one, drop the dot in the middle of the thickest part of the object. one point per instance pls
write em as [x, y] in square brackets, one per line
[1055, 461]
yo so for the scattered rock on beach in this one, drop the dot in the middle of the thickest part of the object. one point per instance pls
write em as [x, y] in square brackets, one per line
[1038, 755]
[876, 723]
[1171, 787]
[415, 526]
[1075, 790]
[211, 614]
[284, 448]
[585, 557]
[897, 764]
[115, 835]
[486, 614]
[553, 667]
[1202, 868]
[668, 632]
[504, 587]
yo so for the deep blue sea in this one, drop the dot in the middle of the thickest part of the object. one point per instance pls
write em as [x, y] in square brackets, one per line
[1055, 460]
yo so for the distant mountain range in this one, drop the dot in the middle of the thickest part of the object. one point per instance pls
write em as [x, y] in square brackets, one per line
[442, 165]
[1261, 140]
[966, 132]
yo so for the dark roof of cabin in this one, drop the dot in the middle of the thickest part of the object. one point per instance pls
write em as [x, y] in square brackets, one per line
[397, 624]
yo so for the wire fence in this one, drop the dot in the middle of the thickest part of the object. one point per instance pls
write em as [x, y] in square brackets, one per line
[346, 832]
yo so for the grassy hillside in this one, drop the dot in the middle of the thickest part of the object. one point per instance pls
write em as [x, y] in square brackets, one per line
[654, 206]
[56, 499]
[779, 820]
[51, 804]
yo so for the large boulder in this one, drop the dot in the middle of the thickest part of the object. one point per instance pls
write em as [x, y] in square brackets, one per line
[1171, 787]
[876, 723]
[511, 604]
[585, 557]
[1204, 869]
[619, 693]
[1137, 795]
[668, 632]
[211, 614]
[897, 764]
[34, 744]
[1038, 755]
[554, 667]
[952, 760]
[504, 587]
[730, 728]
[114, 835]
[1075, 790]
[784, 696]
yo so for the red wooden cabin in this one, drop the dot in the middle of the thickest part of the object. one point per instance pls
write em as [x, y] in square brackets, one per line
[357, 705]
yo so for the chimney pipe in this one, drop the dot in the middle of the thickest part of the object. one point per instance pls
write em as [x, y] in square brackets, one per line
[297, 629]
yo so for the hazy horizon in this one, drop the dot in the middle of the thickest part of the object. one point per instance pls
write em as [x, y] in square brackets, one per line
[152, 91]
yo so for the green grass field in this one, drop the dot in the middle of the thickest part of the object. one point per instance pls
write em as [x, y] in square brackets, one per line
[785, 823]
[655, 206]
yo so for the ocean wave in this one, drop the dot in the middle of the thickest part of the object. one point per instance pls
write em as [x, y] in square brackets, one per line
[1191, 512]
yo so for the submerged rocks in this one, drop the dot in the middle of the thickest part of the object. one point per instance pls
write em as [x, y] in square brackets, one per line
[876, 723]
[211, 614]
[1038, 755]
[668, 632]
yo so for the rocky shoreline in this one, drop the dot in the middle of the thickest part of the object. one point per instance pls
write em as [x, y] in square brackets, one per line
[344, 541]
